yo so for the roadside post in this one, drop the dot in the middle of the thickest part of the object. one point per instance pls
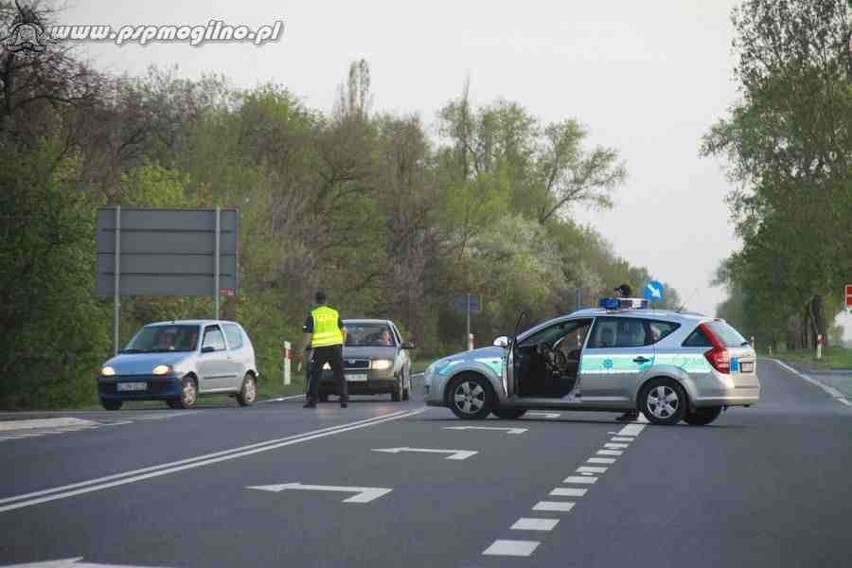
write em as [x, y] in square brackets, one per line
[287, 354]
[468, 304]
[820, 341]
[470, 342]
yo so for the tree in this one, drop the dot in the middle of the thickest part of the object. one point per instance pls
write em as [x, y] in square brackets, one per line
[788, 144]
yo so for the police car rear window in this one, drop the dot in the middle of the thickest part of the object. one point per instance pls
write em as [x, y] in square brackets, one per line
[727, 334]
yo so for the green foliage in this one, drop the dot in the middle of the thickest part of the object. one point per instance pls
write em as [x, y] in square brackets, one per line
[390, 223]
[789, 146]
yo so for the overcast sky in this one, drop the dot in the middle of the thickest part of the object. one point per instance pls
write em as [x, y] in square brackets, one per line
[648, 78]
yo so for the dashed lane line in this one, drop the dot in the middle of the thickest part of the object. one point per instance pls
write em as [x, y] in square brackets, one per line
[530, 524]
[511, 548]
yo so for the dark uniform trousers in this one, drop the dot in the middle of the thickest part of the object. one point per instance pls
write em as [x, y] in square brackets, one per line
[333, 355]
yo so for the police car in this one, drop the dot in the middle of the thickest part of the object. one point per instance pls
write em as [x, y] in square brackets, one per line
[621, 356]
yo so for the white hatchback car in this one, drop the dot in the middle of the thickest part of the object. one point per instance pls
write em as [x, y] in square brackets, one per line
[177, 361]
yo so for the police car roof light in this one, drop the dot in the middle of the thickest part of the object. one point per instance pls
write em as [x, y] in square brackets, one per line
[623, 303]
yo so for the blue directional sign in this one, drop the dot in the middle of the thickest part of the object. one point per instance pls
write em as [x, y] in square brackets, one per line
[653, 291]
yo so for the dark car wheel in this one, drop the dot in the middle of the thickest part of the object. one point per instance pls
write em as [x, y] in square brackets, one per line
[111, 404]
[508, 413]
[173, 403]
[663, 401]
[248, 393]
[188, 393]
[471, 397]
[406, 391]
[396, 393]
[702, 416]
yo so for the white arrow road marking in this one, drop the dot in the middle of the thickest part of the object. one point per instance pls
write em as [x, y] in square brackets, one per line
[456, 454]
[70, 563]
[364, 494]
[545, 414]
[496, 428]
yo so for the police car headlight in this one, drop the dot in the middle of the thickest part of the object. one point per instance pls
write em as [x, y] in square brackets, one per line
[381, 364]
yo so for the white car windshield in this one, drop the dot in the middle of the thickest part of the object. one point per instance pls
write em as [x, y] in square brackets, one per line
[163, 338]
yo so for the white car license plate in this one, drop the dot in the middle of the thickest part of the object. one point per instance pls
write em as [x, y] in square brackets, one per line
[357, 377]
[131, 386]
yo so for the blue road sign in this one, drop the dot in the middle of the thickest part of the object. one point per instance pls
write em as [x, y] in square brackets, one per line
[653, 291]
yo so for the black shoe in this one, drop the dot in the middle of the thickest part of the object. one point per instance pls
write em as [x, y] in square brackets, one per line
[629, 416]
[310, 404]
[344, 404]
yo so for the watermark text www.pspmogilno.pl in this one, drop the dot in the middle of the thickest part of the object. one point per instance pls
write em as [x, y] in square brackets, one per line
[27, 34]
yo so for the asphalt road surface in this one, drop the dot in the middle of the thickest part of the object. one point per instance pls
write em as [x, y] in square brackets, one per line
[399, 484]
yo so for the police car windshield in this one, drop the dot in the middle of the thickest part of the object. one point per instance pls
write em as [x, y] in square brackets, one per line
[369, 335]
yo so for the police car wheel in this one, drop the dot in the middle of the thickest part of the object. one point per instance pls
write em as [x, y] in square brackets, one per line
[471, 397]
[702, 416]
[663, 401]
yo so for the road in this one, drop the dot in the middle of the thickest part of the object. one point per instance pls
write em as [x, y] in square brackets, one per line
[276, 484]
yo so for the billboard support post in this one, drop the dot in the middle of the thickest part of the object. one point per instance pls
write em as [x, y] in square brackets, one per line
[116, 281]
[216, 261]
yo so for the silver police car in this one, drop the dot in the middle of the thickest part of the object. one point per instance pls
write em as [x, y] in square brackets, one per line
[671, 366]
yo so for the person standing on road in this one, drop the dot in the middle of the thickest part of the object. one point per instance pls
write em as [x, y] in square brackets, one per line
[324, 335]
[625, 291]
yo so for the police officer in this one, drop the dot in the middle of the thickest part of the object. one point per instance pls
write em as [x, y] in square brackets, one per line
[624, 291]
[324, 335]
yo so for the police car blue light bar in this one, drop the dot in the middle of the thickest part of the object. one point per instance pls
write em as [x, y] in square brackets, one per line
[623, 303]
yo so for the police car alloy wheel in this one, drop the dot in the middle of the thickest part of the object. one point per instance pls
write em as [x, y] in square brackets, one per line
[663, 401]
[471, 397]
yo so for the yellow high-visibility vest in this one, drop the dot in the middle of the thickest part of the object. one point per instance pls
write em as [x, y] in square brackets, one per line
[326, 327]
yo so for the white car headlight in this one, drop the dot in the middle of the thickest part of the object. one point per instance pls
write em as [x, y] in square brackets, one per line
[326, 366]
[162, 370]
[108, 372]
[381, 364]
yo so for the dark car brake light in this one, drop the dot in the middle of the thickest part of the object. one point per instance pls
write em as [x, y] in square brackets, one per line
[718, 356]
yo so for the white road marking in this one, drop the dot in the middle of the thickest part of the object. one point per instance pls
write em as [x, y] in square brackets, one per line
[455, 454]
[561, 506]
[609, 452]
[580, 479]
[568, 492]
[70, 563]
[642, 419]
[528, 524]
[832, 392]
[616, 446]
[545, 414]
[588, 470]
[65, 422]
[617, 439]
[511, 548]
[601, 460]
[495, 428]
[66, 491]
[364, 494]
[631, 430]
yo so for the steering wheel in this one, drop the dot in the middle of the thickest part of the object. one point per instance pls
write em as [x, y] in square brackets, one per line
[554, 359]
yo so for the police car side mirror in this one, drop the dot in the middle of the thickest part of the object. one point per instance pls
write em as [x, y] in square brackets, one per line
[501, 341]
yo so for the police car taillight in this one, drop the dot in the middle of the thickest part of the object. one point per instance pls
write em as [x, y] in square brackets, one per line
[718, 356]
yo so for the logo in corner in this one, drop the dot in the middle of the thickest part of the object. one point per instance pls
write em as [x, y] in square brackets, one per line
[26, 34]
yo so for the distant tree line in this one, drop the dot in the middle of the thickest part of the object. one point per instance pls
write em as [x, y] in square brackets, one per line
[392, 223]
[788, 141]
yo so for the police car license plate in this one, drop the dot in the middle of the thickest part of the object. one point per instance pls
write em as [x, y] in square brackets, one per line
[356, 377]
[131, 386]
